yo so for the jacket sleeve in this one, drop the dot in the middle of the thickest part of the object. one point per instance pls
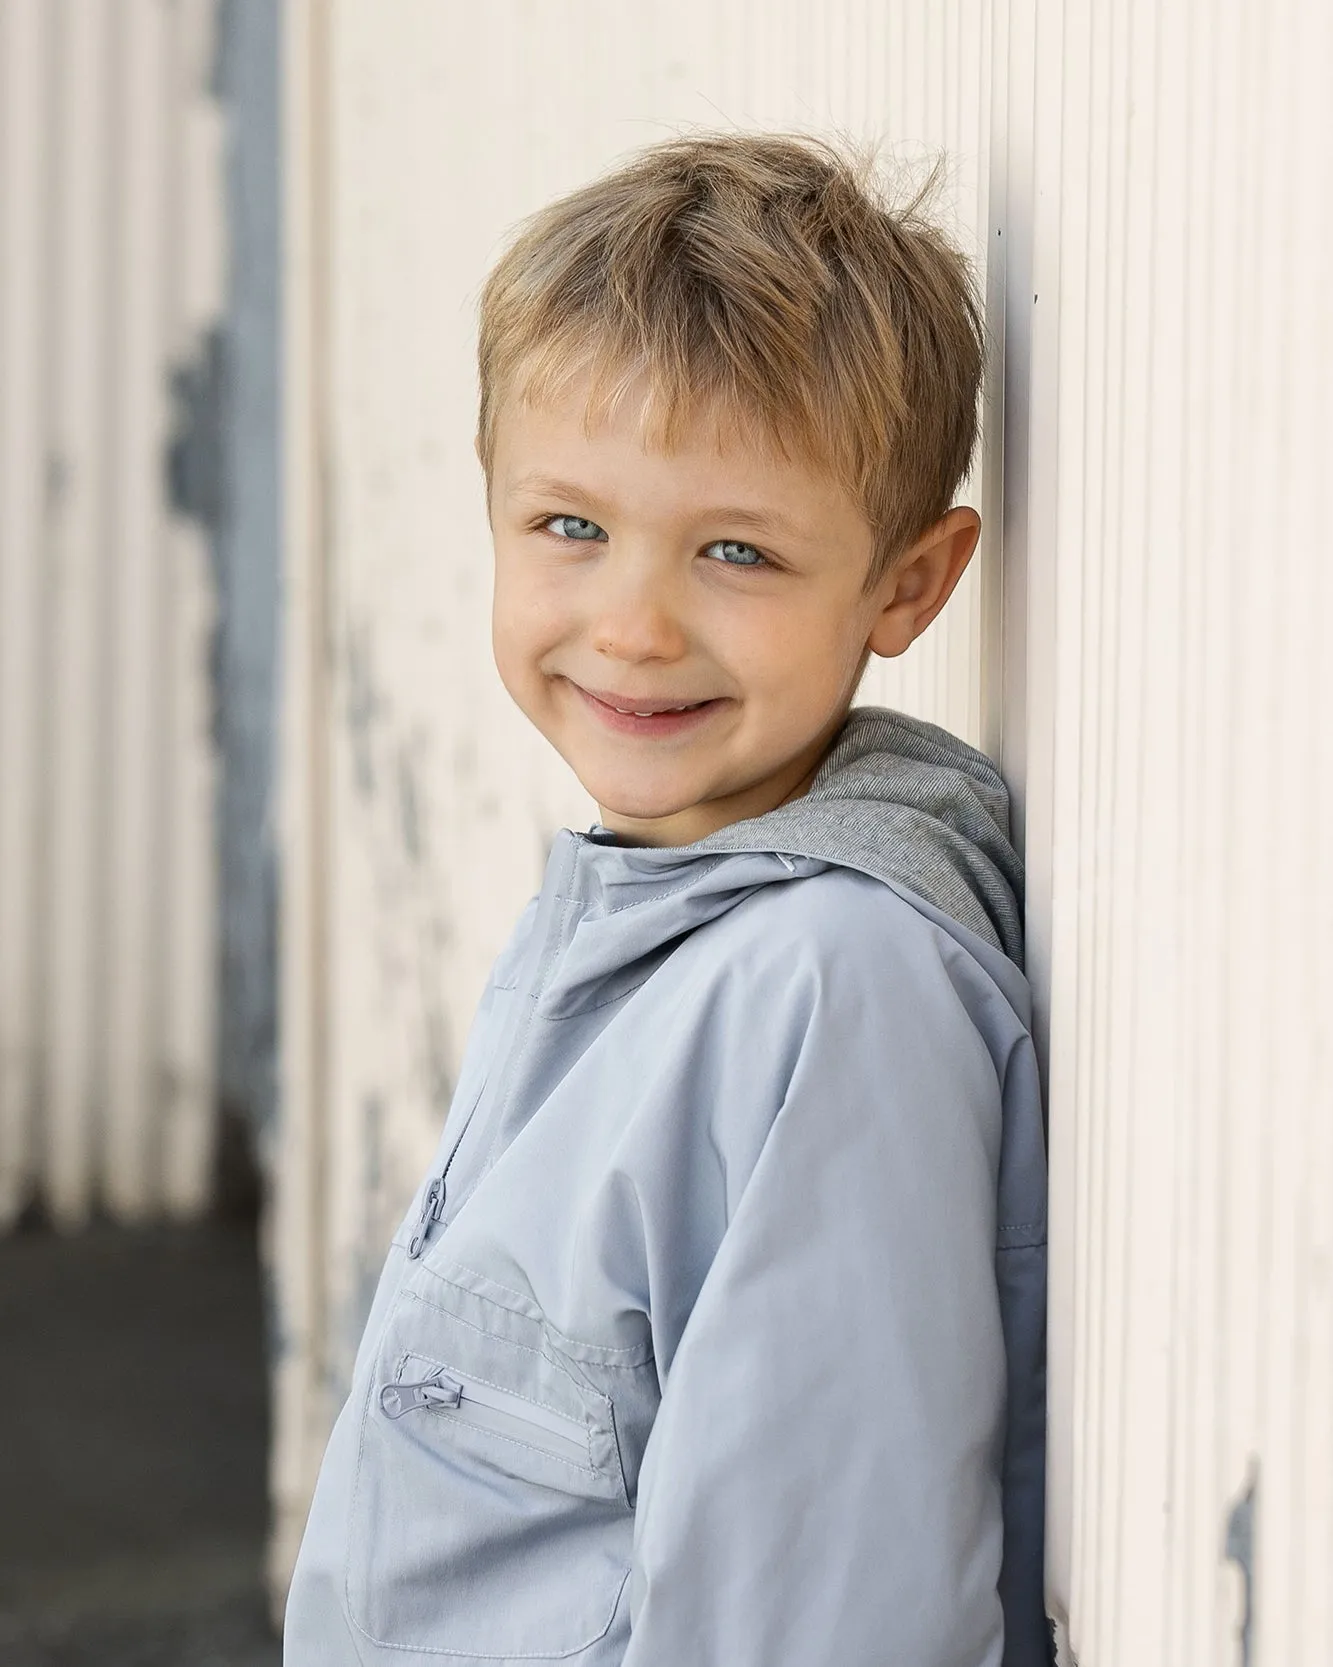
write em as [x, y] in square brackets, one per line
[822, 1484]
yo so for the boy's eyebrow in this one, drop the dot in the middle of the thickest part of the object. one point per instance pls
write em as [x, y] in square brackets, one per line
[548, 486]
[756, 520]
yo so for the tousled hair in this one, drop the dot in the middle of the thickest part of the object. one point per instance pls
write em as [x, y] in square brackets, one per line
[761, 280]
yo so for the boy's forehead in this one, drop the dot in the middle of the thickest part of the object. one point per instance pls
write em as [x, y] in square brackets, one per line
[630, 407]
[566, 438]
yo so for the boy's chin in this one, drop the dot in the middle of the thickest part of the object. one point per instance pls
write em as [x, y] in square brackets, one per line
[617, 807]
[621, 801]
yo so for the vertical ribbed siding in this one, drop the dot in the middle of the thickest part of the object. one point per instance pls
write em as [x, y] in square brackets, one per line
[1173, 385]
[135, 843]
[81, 579]
[294, 1236]
[194, 240]
[110, 269]
[25, 290]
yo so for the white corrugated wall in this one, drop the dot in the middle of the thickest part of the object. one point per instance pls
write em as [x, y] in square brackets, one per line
[110, 273]
[1172, 372]
[1143, 187]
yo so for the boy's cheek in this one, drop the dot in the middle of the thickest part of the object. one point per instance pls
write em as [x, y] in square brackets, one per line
[515, 661]
[529, 597]
[524, 625]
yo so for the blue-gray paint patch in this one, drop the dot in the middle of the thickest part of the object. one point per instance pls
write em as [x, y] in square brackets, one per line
[1239, 1549]
[229, 409]
[196, 476]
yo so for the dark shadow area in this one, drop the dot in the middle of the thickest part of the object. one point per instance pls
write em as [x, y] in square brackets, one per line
[133, 1442]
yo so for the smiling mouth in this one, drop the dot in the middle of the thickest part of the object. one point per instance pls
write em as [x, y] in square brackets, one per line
[628, 706]
[652, 711]
[641, 714]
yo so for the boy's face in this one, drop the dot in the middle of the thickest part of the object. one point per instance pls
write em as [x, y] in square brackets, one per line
[630, 583]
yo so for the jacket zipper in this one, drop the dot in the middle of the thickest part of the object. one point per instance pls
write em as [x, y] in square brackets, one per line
[489, 1408]
[432, 1206]
[432, 1209]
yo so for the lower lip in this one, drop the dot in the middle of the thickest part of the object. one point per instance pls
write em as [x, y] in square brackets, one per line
[656, 724]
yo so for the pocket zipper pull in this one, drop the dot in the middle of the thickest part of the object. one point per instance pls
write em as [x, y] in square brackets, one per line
[434, 1391]
[432, 1208]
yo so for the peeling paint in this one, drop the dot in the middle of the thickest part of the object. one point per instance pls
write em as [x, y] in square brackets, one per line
[1239, 1549]
[196, 455]
[223, 469]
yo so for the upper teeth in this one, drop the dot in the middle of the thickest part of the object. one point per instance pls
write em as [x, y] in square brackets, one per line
[629, 712]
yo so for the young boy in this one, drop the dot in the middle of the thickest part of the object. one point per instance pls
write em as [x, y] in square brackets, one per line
[713, 1338]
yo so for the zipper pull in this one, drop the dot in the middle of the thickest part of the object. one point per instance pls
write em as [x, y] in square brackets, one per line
[434, 1391]
[432, 1208]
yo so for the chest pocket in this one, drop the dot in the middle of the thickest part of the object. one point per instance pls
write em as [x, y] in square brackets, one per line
[490, 1514]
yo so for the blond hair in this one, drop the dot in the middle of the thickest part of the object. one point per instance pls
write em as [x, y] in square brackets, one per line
[760, 279]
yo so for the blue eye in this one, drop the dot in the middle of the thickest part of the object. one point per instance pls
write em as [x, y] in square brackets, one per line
[575, 528]
[736, 555]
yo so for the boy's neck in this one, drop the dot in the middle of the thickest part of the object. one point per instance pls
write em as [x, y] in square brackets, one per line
[685, 827]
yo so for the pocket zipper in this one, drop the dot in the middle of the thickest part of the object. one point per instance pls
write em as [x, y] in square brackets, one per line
[493, 1409]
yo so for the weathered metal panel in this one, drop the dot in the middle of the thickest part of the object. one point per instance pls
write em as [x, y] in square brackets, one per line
[195, 285]
[111, 268]
[80, 584]
[24, 486]
[249, 559]
[135, 823]
[1169, 358]
[296, 1143]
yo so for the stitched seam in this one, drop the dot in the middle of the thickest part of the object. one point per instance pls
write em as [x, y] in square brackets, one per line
[685, 885]
[539, 985]
[480, 1330]
[504, 1655]
[564, 1336]
[592, 1006]
[541, 1354]
[610, 1365]
[588, 1469]
[356, 1498]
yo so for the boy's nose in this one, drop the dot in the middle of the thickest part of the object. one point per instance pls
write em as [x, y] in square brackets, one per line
[634, 620]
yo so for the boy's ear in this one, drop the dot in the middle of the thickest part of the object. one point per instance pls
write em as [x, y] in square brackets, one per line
[921, 581]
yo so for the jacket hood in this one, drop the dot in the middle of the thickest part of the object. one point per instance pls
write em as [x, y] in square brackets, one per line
[896, 798]
[909, 803]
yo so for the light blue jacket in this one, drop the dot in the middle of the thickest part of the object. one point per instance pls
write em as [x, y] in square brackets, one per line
[714, 1336]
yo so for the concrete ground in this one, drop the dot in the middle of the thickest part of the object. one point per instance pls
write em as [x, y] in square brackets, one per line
[132, 1450]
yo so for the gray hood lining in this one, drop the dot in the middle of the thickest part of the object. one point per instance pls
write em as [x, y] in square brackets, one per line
[907, 802]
